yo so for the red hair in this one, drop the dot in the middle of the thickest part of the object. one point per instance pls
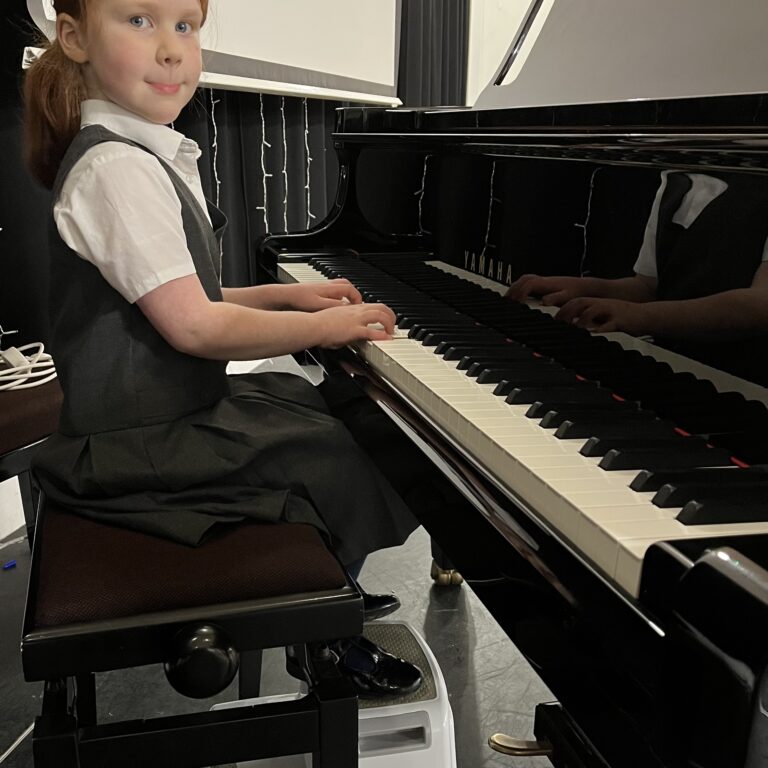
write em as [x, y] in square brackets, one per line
[54, 88]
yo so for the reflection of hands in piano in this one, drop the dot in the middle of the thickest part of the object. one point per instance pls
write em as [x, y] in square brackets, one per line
[554, 291]
[312, 297]
[604, 315]
[557, 291]
[343, 325]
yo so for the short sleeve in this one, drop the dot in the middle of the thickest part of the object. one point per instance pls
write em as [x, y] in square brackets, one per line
[646, 258]
[119, 210]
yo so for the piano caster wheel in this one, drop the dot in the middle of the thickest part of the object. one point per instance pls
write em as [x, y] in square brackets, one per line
[519, 747]
[445, 578]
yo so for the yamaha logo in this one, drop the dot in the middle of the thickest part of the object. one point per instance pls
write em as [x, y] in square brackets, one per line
[493, 269]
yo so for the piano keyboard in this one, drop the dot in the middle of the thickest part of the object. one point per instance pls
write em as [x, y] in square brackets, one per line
[594, 510]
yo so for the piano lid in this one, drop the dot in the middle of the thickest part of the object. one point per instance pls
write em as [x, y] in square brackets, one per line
[573, 52]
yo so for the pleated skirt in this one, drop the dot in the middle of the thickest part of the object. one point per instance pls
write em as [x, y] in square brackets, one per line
[269, 452]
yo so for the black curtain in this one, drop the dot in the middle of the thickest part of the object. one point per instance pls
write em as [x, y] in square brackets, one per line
[268, 160]
[434, 43]
[268, 163]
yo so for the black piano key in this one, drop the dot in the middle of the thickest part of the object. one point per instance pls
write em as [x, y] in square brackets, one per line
[569, 409]
[628, 430]
[648, 480]
[556, 416]
[577, 397]
[724, 511]
[409, 317]
[444, 346]
[433, 339]
[542, 379]
[665, 458]
[424, 333]
[419, 331]
[530, 395]
[467, 357]
[680, 494]
[513, 367]
[490, 349]
[552, 374]
[599, 446]
[511, 356]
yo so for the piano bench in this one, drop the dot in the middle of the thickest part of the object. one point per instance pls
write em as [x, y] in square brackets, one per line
[27, 416]
[102, 598]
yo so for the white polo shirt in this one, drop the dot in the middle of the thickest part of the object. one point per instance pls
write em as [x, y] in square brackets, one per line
[704, 189]
[118, 208]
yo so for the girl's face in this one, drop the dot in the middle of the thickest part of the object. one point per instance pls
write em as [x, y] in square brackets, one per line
[143, 55]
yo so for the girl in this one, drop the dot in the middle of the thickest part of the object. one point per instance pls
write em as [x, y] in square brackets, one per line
[153, 434]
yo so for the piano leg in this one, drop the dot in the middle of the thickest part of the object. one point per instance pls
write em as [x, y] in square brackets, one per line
[443, 572]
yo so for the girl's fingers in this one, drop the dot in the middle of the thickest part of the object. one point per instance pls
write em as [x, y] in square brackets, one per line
[378, 334]
[344, 289]
[554, 299]
[384, 317]
[570, 310]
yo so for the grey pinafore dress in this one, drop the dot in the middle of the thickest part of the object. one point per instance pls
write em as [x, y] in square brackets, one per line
[168, 444]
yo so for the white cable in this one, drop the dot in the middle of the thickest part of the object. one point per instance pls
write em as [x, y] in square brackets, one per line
[215, 145]
[285, 164]
[264, 174]
[492, 200]
[308, 156]
[19, 371]
[583, 227]
[420, 194]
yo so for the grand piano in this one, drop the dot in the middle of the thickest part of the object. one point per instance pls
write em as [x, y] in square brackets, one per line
[616, 489]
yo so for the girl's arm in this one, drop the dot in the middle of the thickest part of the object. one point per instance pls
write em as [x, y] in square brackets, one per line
[308, 297]
[731, 314]
[556, 291]
[184, 316]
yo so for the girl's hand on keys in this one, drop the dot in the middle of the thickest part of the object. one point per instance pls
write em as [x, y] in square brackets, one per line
[355, 322]
[312, 297]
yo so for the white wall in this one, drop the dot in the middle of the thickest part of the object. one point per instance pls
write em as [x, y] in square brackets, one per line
[11, 512]
[493, 25]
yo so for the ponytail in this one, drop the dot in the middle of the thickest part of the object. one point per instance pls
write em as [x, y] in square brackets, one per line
[53, 90]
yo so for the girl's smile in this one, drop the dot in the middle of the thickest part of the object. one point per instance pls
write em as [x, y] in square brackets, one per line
[166, 88]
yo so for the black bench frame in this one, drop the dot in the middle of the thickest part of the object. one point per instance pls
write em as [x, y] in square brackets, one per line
[66, 658]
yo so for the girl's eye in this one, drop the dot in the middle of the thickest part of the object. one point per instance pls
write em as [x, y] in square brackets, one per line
[139, 21]
[184, 27]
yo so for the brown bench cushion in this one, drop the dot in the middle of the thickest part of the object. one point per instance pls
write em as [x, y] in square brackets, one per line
[28, 415]
[90, 571]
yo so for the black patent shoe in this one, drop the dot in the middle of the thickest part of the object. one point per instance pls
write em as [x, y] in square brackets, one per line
[373, 671]
[378, 606]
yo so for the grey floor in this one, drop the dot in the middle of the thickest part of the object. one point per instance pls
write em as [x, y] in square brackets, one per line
[491, 687]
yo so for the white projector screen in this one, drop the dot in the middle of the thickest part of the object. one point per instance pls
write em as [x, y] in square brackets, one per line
[335, 49]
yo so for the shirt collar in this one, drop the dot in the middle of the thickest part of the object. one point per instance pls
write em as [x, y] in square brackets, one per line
[160, 139]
